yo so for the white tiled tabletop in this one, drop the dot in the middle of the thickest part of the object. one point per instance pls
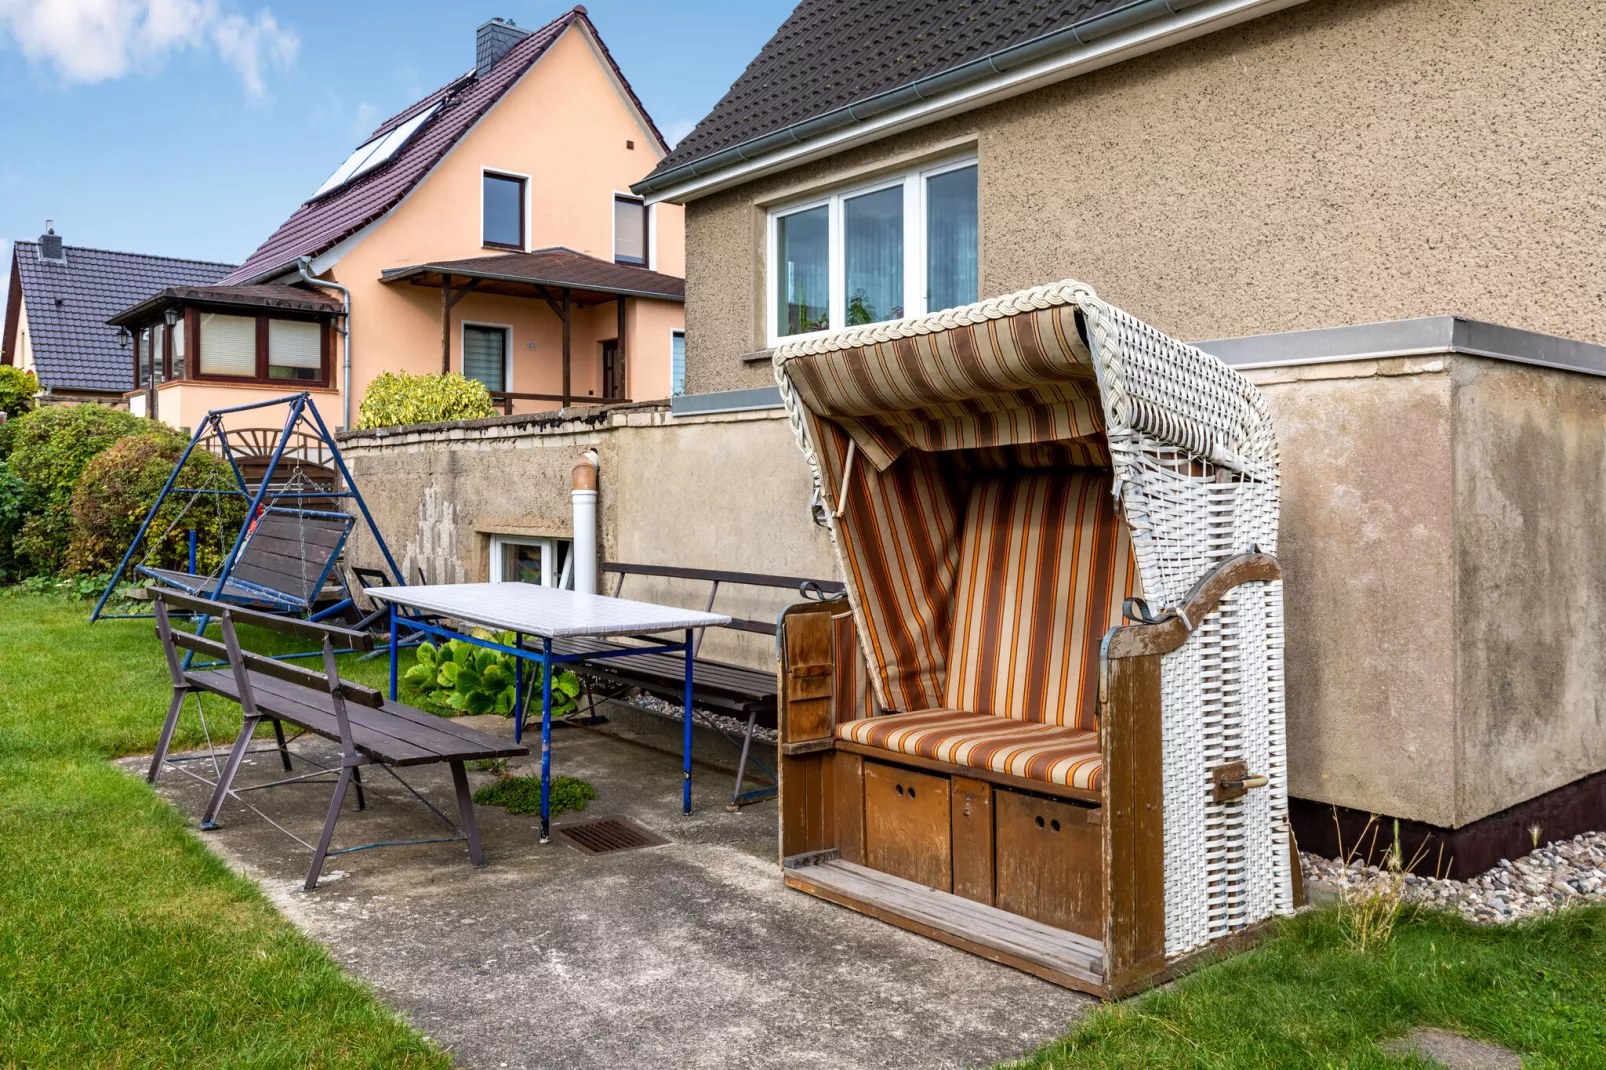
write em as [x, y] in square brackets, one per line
[544, 611]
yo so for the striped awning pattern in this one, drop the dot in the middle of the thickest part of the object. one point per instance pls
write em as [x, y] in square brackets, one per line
[1019, 748]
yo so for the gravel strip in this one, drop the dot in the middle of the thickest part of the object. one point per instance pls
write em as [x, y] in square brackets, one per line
[731, 725]
[1559, 874]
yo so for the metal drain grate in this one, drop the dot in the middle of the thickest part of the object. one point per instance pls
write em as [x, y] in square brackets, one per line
[604, 835]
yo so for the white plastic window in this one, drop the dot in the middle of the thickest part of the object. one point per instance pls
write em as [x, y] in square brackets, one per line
[521, 559]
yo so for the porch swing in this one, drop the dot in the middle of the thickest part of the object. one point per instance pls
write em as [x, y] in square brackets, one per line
[974, 744]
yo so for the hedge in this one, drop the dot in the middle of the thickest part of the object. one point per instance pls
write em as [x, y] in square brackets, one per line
[17, 390]
[397, 398]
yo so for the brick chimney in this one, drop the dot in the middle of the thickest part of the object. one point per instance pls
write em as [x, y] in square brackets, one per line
[492, 41]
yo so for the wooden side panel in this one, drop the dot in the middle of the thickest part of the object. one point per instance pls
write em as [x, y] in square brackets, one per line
[806, 811]
[1050, 861]
[804, 684]
[972, 824]
[1134, 848]
[906, 817]
[847, 802]
[806, 676]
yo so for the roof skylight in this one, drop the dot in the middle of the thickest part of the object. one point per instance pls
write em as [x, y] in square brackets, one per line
[371, 154]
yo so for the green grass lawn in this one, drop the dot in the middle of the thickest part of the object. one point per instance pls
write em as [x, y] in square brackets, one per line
[124, 943]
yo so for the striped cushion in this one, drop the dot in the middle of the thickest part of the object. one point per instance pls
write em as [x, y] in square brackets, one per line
[1034, 751]
[1044, 566]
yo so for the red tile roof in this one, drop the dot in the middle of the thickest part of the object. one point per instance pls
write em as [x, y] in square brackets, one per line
[320, 223]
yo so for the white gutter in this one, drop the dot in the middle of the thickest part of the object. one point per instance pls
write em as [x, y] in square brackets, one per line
[1076, 50]
[303, 266]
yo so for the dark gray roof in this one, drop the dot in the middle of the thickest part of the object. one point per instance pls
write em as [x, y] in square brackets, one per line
[68, 306]
[829, 54]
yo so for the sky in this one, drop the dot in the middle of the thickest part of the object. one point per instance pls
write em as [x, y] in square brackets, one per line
[192, 128]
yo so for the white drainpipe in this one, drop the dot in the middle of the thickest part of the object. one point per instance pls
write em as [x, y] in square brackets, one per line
[584, 551]
[304, 266]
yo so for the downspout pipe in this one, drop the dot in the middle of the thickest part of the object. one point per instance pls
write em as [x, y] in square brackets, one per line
[583, 551]
[304, 266]
[1071, 37]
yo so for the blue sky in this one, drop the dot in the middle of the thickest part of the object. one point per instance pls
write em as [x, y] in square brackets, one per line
[193, 127]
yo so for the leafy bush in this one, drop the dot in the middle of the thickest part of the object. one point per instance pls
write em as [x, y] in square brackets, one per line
[522, 794]
[397, 398]
[116, 490]
[11, 490]
[50, 449]
[17, 390]
[471, 679]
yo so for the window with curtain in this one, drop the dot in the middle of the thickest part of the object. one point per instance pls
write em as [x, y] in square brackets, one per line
[295, 350]
[677, 363]
[228, 344]
[802, 270]
[899, 247]
[503, 207]
[485, 356]
[142, 362]
[629, 231]
[178, 349]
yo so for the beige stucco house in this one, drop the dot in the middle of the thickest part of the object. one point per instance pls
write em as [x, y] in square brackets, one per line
[1257, 175]
[487, 229]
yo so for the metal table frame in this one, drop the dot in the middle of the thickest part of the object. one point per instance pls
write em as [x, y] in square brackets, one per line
[546, 657]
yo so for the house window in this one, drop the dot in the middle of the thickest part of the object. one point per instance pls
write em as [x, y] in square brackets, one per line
[503, 206]
[485, 356]
[898, 247]
[142, 364]
[677, 363]
[178, 349]
[228, 345]
[629, 230]
[295, 349]
[544, 562]
[613, 370]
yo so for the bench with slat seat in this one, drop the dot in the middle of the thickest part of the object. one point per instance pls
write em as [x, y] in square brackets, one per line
[284, 566]
[734, 690]
[369, 729]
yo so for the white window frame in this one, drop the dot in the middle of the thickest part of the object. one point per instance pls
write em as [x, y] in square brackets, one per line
[681, 331]
[549, 549]
[647, 224]
[507, 350]
[529, 204]
[915, 288]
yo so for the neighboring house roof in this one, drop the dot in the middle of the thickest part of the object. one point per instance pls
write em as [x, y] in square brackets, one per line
[554, 269]
[264, 296]
[68, 304]
[836, 64]
[321, 223]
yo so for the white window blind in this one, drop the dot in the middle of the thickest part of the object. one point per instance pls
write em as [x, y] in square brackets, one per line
[677, 363]
[178, 349]
[629, 231]
[228, 344]
[485, 356]
[295, 349]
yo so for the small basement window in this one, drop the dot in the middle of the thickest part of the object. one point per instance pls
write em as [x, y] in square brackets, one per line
[524, 559]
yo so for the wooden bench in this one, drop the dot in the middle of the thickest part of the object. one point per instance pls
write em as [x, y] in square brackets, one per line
[369, 729]
[734, 690]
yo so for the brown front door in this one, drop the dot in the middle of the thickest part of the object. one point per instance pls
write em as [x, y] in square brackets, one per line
[613, 370]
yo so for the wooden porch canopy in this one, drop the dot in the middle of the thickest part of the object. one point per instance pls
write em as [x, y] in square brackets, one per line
[561, 277]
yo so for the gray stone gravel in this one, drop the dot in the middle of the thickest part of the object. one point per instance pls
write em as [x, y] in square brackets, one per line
[1559, 874]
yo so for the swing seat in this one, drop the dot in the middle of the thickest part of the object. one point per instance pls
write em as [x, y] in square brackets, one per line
[286, 562]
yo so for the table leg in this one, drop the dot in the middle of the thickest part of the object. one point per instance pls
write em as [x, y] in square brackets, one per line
[546, 738]
[685, 791]
[393, 652]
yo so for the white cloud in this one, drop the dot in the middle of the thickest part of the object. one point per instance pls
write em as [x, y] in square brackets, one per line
[96, 40]
[677, 130]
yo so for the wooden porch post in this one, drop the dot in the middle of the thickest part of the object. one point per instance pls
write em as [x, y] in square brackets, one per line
[624, 379]
[446, 324]
[565, 347]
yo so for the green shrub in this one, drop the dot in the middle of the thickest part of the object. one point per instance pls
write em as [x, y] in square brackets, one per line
[466, 678]
[397, 398]
[17, 390]
[50, 448]
[522, 794]
[11, 490]
[116, 490]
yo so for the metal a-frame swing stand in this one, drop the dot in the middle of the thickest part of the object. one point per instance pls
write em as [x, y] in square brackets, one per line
[225, 586]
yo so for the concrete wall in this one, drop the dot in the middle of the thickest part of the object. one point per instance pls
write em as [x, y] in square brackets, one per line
[1341, 161]
[721, 492]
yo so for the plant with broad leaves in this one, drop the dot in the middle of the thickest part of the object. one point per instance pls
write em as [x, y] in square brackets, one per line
[467, 678]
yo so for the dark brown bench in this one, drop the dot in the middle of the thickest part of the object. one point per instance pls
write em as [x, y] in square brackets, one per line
[734, 690]
[369, 729]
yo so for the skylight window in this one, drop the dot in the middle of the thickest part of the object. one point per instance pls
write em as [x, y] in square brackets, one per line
[371, 154]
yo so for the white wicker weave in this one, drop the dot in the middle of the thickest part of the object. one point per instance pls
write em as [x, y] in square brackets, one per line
[1196, 473]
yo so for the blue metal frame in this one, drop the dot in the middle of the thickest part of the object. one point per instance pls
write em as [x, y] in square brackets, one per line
[546, 658]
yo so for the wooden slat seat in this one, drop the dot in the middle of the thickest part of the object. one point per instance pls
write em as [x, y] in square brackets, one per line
[393, 734]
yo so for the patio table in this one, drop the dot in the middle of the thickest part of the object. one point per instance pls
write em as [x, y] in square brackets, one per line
[550, 614]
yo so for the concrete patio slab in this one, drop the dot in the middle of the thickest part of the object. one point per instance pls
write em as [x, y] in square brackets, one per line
[690, 954]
